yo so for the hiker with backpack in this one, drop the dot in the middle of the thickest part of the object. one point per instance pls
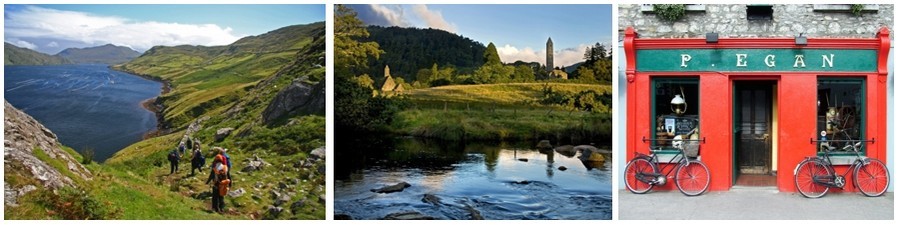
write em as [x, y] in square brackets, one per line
[221, 181]
[173, 161]
[197, 161]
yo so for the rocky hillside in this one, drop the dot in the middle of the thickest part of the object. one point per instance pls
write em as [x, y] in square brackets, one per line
[14, 55]
[104, 54]
[33, 159]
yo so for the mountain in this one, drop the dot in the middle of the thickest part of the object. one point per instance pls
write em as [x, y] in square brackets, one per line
[406, 50]
[104, 54]
[205, 78]
[14, 55]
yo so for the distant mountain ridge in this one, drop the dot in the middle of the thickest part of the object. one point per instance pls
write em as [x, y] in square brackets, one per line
[15, 55]
[104, 54]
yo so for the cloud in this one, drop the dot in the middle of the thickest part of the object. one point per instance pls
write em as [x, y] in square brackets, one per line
[395, 15]
[21, 43]
[433, 19]
[564, 57]
[381, 15]
[50, 25]
[53, 44]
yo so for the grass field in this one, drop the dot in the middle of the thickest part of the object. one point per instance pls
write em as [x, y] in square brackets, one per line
[498, 112]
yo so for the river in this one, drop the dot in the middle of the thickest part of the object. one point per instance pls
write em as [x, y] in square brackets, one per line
[498, 180]
[88, 106]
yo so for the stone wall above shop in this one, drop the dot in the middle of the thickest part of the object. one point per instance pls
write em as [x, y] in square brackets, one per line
[731, 21]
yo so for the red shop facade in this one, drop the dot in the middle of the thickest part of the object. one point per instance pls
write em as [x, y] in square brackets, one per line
[759, 104]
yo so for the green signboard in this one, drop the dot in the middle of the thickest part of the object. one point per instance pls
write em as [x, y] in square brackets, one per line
[791, 60]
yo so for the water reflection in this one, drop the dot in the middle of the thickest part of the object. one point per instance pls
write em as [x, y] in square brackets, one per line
[500, 180]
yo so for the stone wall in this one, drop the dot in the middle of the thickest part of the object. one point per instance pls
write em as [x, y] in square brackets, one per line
[731, 21]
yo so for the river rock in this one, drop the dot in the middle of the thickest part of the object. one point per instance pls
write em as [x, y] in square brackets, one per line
[591, 156]
[342, 217]
[430, 198]
[582, 148]
[318, 153]
[474, 214]
[222, 133]
[566, 150]
[523, 159]
[408, 215]
[563, 168]
[236, 193]
[544, 144]
[393, 188]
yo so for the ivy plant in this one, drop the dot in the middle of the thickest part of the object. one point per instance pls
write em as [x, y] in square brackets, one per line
[669, 12]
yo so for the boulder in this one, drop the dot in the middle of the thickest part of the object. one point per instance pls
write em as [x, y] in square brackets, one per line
[237, 193]
[254, 165]
[582, 148]
[318, 153]
[393, 188]
[282, 199]
[275, 194]
[298, 98]
[222, 133]
[523, 159]
[563, 168]
[297, 206]
[566, 150]
[408, 215]
[474, 214]
[273, 211]
[591, 155]
[544, 144]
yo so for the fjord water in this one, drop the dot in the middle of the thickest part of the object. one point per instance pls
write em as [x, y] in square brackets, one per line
[86, 106]
[499, 180]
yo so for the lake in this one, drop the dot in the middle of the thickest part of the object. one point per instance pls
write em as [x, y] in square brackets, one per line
[87, 106]
[498, 180]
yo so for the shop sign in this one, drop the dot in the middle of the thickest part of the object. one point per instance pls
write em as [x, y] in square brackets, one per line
[794, 60]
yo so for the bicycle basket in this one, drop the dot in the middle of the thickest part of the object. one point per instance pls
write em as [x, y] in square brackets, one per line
[691, 148]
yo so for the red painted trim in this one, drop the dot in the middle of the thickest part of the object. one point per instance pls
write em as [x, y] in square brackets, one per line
[630, 53]
[812, 43]
[884, 47]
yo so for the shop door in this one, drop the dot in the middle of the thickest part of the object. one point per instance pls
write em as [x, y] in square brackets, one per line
[754, 127]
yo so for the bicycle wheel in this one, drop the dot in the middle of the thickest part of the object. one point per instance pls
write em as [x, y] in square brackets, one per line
[692, 179]
[872, 179]
[805, 178]
[635, 173]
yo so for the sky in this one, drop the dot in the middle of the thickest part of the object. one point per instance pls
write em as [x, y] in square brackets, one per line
[520, 32]
[52, 28]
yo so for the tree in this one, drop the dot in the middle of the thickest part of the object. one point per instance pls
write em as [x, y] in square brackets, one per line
[491, 57]
[350, 56]
[524, 73]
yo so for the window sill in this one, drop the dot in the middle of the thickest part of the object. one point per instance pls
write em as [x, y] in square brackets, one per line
[841, 8]
[648, 8]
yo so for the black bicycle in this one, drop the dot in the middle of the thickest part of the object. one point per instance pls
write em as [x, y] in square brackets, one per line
[691, 175]
[815, 174]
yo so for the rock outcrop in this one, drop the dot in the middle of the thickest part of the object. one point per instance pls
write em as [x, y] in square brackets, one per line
[297, 98]
[27, 144]
[393, 188]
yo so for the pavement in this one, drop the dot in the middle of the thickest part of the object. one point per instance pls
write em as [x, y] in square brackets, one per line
[752, 203]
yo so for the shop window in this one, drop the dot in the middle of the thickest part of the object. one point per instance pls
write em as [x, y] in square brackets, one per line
[675, 111]
[759, 12]
[840, 113]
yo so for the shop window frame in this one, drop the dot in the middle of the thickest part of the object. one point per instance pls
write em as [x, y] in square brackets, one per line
[670, 80]
[861, 81]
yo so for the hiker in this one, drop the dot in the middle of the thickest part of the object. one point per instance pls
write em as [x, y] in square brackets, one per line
[173, 161]
[190, 144]
[196, 144]
[197, 161]
[181, 148]
[227, 160]
[221, 182]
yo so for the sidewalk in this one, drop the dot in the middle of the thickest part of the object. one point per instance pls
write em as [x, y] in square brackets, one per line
[751, 203]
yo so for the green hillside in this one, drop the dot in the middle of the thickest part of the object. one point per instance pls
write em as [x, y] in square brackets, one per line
[205, 77]
[14, 55]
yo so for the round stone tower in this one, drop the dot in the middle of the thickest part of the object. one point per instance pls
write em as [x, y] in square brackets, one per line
[549, 54]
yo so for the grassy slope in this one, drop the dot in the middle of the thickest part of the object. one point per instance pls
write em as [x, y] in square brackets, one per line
[497, 112]
[206, 77]
[13, 55]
